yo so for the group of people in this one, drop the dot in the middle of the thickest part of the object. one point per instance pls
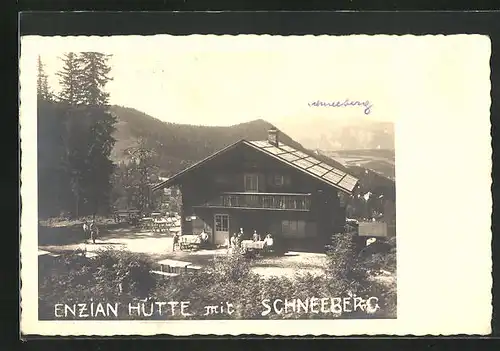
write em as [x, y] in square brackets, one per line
[91, 230]
[234, 242]
[237, 238]
[268, 240]
[204, 240]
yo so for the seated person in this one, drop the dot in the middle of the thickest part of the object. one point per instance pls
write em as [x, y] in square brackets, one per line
[268, 241]
[204, 236]
[239, 237]
[256, 237]
[204, 239]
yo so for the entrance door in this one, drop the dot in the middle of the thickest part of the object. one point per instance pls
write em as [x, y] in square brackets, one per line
[221, 229]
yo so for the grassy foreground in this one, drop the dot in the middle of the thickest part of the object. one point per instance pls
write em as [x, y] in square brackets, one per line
[74, 287]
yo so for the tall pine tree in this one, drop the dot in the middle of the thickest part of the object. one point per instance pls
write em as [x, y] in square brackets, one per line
[94, 75]
[69, 80]
[76, 127]
[88, 132]
[42, 85]
[53, 183]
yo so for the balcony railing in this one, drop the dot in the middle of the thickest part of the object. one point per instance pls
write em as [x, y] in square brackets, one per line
[268, 201]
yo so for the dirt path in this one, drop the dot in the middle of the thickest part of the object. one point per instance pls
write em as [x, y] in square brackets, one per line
[160, 246]
[150, 243]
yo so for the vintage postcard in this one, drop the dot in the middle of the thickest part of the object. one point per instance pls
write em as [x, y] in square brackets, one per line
[269, 185]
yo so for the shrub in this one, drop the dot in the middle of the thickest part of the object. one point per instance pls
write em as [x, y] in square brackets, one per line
[129, 272]
[382, 256]
[380, 261]
[234, 267]
[122, 276]
[111, 276]
[387, 295]
[344, 269]
[306, 285]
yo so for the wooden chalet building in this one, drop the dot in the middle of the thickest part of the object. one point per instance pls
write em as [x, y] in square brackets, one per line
[265, 186]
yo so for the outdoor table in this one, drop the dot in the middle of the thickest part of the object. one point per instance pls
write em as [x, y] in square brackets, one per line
[189, 242]
[160, 225]
[254, 245]
[172, 265]
[146, 223]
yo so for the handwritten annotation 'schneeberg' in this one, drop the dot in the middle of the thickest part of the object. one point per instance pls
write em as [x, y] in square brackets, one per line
[346, 103]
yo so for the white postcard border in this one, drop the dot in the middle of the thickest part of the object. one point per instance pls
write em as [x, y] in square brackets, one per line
[433, 296]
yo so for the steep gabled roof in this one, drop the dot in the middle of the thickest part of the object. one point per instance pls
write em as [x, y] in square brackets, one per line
[290, 156]
[173, 180]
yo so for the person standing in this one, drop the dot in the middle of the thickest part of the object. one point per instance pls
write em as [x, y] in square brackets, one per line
[94, 231]
[86, 230]
[233, 242]
[240, 236]
[175, 242]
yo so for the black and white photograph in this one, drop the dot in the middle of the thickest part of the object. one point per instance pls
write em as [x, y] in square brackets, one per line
[226, 178]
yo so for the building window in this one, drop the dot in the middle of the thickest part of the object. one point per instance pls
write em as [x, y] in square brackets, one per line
[293, 229]
[221, 223]
[279, 180]
[251, 182]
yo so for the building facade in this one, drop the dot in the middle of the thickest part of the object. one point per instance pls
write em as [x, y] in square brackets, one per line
[264, 186]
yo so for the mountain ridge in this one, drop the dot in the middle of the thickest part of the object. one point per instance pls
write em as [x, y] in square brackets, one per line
[180, 145]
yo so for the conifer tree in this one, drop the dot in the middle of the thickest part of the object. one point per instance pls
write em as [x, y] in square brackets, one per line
[75, 131]
[94, 75]
[88, 129]
[143, 163]
[43, 92]
[54, 194]
[69, 79]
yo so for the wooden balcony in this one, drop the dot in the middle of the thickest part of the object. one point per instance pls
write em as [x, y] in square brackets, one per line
[265, 201]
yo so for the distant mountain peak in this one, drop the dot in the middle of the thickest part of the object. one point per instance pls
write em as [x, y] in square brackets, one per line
[325, 134]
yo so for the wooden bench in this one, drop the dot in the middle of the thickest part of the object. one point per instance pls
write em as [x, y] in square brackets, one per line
[194, 268]
[173, 266]
[165, 274]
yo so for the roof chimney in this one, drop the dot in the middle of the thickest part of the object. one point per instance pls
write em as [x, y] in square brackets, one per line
[273, 136]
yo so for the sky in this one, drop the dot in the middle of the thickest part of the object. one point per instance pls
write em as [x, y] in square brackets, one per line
[210, 80]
